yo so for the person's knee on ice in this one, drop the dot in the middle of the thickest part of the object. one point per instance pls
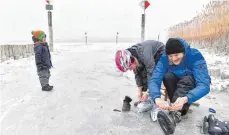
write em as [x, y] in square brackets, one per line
[141, 59]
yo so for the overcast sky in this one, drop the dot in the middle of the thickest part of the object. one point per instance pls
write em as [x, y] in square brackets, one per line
[100, 18]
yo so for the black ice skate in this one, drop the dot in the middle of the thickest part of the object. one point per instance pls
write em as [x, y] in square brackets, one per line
[215, 127]
[166, 122]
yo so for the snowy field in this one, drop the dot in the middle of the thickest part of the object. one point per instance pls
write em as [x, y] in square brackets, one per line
[87, 87]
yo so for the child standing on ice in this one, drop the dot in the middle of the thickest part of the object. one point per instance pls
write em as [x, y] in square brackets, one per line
[42, 59]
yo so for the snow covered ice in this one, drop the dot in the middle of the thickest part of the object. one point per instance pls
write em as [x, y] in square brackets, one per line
[87, 87]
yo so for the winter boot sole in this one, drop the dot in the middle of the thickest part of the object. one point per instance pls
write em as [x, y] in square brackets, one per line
[166, 123]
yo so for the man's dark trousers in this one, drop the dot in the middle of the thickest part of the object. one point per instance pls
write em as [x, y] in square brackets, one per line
[178, 87]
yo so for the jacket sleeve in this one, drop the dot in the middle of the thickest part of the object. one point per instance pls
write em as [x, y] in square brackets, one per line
[149, 52]
[202, 78]
[156, 79]
[138, 79]
[38, 55]
[149, 70]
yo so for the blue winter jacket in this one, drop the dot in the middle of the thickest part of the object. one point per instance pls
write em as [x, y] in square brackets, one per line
[193, 63]
[42, 56]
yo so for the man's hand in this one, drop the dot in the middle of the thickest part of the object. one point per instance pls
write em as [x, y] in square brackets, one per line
[162, 104]
[179, 103]
[145, 96]
[139, 93]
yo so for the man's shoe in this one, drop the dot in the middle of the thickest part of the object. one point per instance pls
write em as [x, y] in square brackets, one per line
[126, 104]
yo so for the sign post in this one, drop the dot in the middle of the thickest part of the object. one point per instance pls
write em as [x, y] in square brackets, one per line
[117, 38]
[49, 7]
[144, 4]
[85, 38]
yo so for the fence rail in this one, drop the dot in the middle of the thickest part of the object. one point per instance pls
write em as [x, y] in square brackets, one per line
[15, 51]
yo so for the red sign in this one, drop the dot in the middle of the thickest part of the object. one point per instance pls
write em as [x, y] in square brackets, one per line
[146, 4]
[47, 1]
